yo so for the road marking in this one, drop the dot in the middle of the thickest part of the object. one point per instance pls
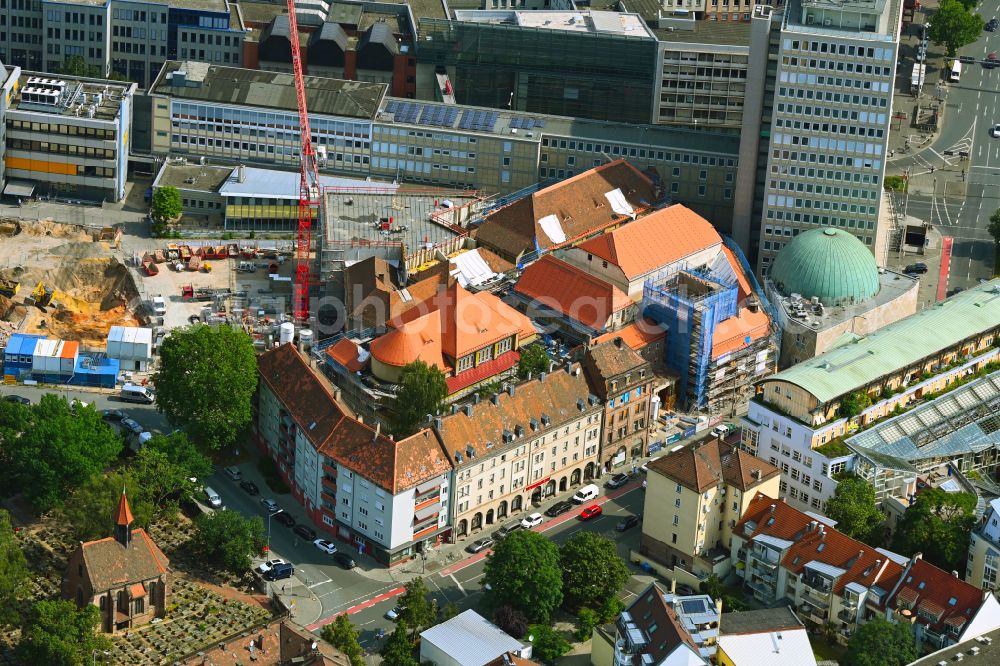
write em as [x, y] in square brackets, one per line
[322, 582]
[458, 585]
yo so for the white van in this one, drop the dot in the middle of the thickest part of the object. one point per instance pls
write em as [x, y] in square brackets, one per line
[213, 498]
[585, 494]
[136, 393]
[956, 71]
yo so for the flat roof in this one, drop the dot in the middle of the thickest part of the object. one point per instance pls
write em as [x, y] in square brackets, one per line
[353, 212]
[193, 177]
[983, 654]
[425, 8]
[75, 94]
[583, 21]
[261, 12]
[725, 33]
[758, 621]
[865, 359]
[278, 184]
[274, 90]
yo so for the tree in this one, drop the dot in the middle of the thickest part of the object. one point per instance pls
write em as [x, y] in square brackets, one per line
[166, 204]
[58, 634]
[77, 66]
[228, 539]
[854, 403]
[343, 636]
[853, 507]
[610, 610]
[952, 26]
[58, 449]
[164, 466]
[418, 612]
[994, 230]
[14, 572]
[523, 572]
[882, 643]
[938, 524]
[586, 620]
[592, 571]
[511, 621]
[547, 643]
[91, 513]
[398, 650]
[534, 360]
[448, 611]
[422, 391]
[218, 365]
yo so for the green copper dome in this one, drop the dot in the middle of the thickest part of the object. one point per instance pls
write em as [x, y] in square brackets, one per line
[828, 263]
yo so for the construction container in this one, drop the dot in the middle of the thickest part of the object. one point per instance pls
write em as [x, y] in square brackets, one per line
[68, 356]
[129, 345]
[18, 356]
[95, 370]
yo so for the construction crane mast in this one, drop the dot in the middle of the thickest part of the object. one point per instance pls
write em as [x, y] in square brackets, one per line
[309, 190]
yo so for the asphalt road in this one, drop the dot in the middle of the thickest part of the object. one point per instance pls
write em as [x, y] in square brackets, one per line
[146, 415]
[960, 207]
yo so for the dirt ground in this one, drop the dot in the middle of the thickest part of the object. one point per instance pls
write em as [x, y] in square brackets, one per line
[93, 290]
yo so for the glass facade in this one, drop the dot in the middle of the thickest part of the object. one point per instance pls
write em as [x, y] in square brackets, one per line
[577, 74]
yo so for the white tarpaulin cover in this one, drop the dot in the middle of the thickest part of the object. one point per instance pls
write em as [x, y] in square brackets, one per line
[552, 228]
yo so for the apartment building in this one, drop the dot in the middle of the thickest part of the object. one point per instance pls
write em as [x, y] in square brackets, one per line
[782, 553]
[623, 380]
[801, 416]
[984, 550]
[65, 136]
[388, 499]
[698, 494]
[513, 449]
[829, 124]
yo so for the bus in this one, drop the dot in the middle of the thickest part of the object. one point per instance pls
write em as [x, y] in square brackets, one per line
[956, 71]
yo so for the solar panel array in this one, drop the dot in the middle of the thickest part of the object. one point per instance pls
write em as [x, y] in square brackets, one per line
[478, 120]
[422, 114]
[518, 122]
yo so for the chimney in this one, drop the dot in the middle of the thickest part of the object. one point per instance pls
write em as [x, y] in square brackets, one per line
[430, 417]
[336, 395]
[475, 398]
[917, 556]
[773, 507]
[378, 430]
[755, 474]
[437, 423]
[454, 408]
[510, 390]
[619, 342]
[241, 173]
[576, 371]
[467, 409]
[954, 573]
[529, 376]
[552, 366]
[495, 398]
[541, 376]
[753, 305]
[812, 525]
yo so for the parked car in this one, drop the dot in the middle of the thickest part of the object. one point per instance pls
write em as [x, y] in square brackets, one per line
[306, 532]
[533, 520]
[479, 545]
[250, 487]
[592, 511]
[17, 398]
[264, 567]
[616, 481]
[280, 572]
[131, 426]
[507, 529]
[558, 509]
[269, 504]
[344, 560]
[285, 519]
[393, 613]
[917, 268]
[113, 415]
[627, 523]
[326, 546]
[233, 472]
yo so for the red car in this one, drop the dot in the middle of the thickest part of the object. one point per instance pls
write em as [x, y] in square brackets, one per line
[591, 512]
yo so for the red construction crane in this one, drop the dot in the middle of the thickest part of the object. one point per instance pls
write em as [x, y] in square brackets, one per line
[309, 190]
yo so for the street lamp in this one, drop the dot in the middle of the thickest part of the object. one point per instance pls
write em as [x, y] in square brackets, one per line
[269, 516]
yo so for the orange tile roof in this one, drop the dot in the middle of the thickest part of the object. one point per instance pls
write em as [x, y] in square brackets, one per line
[108, 564]
[709, 465]
[731, 334]
[741, 279]
[482, 372]
[572, 292]
[579, 204]
[661, 238]
[923, 586]
[638, 335]
[394, 466]
[452, 324]
[124, 514]
[862, 563]
[346, 354]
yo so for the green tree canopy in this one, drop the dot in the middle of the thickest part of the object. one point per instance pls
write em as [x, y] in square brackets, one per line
[511, 620]
[592, 570]
[534, 360]
[344, 636]
[398, 650]
[853, 507]
[937, 524]
[853, 404]
[56, 449]
[14, 573]
[164, 466]
[422, 391]
[547, 644]
[994, 226]
[77, 66]
[418, 611]
[229, 540]
[523, 572]
[952, 26]
[206, 380]
[166, 204]
[91, 513]
[56, 633]
[882, 643]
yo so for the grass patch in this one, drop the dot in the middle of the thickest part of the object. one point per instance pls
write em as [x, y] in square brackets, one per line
[823, 650]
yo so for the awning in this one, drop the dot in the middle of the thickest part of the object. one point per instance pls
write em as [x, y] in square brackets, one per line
[427, 511]
[19, 188]
[535, 485]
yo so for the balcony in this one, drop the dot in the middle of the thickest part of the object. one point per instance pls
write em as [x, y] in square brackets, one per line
[814, 599]
[848, 615]
[818, 585]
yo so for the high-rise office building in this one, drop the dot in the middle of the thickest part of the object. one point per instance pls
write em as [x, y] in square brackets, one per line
[825, 125]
